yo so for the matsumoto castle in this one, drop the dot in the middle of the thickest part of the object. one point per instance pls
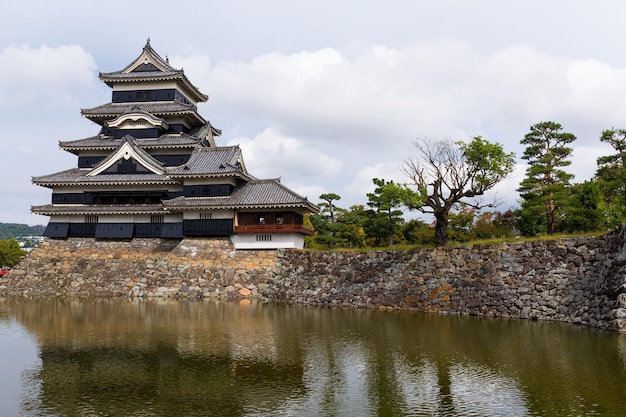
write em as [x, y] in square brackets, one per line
[154, 171]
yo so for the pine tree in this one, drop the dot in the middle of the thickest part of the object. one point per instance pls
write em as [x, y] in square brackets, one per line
[611, 177]
[544, 190]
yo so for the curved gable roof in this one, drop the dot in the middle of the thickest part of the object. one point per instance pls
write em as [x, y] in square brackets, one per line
[128, 149]
[136, 115]
[150, 66]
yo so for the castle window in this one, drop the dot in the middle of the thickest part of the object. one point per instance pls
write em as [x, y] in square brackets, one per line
[263, 238]
[142, 95]
[91, 219]
[157, 218]
[205, 216]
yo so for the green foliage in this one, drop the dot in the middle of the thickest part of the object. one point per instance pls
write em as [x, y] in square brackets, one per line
[467, 225]
[10, 253]
[583, 213]
[13, 230]
[461, 224]
[350, 227]
[494, 225]
[320, 223]
[418, 232]
[346, 232]
[530, 219]
[385, 217]
[448, 175]
[328, 206]
[487, 164]
[611, 178]
[545, 187]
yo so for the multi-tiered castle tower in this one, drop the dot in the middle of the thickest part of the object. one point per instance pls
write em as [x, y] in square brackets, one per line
[154, 171]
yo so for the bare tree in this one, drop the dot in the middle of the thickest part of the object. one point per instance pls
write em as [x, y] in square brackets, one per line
[448, 173]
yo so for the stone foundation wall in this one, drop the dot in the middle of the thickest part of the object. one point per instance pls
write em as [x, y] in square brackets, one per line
[580, 280]
[141, 268]
[575, 280]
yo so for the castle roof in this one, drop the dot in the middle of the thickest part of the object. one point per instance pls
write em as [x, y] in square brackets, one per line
[150, 66]
[107, 143]
[255, 194]
[99, 209]
[127, 150]
[80, 177]
[109, 111]
[206, 161]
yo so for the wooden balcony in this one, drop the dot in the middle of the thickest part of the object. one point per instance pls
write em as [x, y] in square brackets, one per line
[273, 228]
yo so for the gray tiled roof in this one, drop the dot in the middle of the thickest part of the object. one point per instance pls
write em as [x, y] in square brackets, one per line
[152, 55]
[159, 75]
[78, 176]
[54, 209]
[253, 194]
[102, 142]
[220, 161]
[158, 108]
[149, 72]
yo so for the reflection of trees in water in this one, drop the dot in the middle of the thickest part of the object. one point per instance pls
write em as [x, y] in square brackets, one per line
[502, 367]
[199, 357]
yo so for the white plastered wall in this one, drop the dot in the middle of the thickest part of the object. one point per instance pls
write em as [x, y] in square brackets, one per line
[267, 241]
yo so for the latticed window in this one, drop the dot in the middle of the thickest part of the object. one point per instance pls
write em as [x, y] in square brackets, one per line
[205, 216]
[263, 238]
[157, 218]
[91, 219]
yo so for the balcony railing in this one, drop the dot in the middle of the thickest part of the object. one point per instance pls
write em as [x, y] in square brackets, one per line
[274, 228]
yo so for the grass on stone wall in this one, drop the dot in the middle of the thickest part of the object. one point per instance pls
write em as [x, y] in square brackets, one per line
[452, 244]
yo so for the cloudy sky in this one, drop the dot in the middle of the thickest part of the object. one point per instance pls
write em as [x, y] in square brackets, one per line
[324, 94]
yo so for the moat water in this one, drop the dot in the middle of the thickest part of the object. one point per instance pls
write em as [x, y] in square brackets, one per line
[184, 358]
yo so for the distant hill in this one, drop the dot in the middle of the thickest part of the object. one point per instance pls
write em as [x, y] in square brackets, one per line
[13, 230]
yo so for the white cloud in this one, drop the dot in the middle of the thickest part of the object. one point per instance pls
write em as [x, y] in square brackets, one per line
[328, 110]
[584, 161]
[355, 191]
[363, 111]
[271, 154]
[53, 73]
[382, 97]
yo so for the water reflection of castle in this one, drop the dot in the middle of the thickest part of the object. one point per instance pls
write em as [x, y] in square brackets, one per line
[115, 358]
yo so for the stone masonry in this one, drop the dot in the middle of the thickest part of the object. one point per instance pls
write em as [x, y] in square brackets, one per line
[578, 280]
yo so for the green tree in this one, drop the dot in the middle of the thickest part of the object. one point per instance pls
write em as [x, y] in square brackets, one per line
[10, 253]
[496, 224]
[331, 230]
[385, 216]
[417, 231]
[447, 174]
[611, 177]
[461, 224]
[13, 230]
[320, 223]
[328, 206]
[583, 212]
[544, 190]
[350, 226]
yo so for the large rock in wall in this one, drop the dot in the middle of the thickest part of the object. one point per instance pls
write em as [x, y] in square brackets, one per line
[580, 280]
